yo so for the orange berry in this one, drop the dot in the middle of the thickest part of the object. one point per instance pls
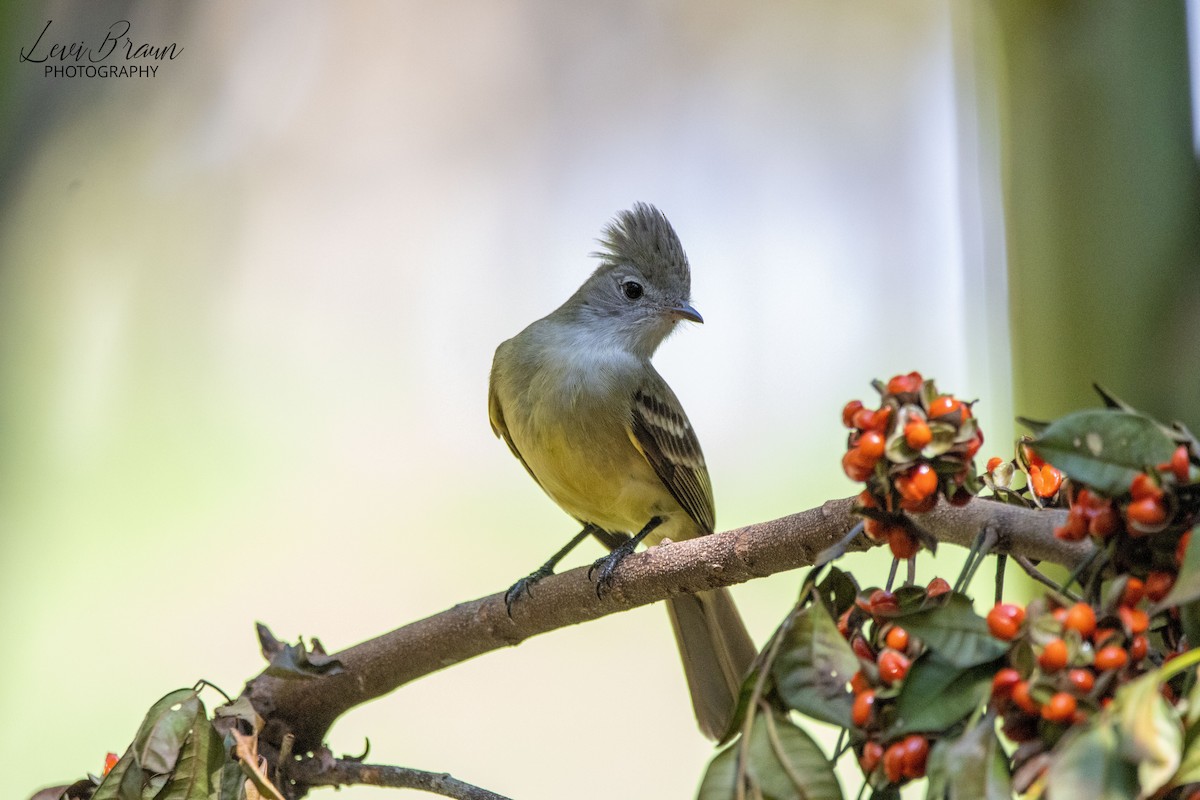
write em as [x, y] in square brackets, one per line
[1003, 682]
[1075, 529]
[1081, 680]
[1178, 465]
[1081, 618]
[903, 544]
[918, 483]
[1060, 615]
[1143, 486]
[864, 704]
[1023, 699]
[974, 443]
[1158, 584]
[937, 587]
[893, 666]
[1135, 620]
[1149, 512]
[1059, 708]
[876, 420]
[1045, 480]
[992, 463]
[1004, 620]
[867, 500]
[859, 683]
[110, 761]
[1111, 657]
[945, 405]
[856, 465]
[1053, 656]
[917, 434]
[1132, 594]
[871, 444]
[1139, 646]
[872, 752]
[897, 638]
[1181, 547]
[905, 384]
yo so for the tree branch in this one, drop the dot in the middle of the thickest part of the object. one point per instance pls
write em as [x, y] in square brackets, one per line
[347, 772]
[307, 708]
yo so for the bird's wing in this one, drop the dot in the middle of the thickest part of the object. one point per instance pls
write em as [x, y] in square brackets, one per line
[500, 428]
[662, 433]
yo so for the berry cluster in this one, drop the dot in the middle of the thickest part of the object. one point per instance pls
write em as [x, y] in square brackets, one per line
[885, 651]
[916, 442]
[1066, 662]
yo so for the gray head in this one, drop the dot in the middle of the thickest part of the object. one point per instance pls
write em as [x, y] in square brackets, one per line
[642, 287]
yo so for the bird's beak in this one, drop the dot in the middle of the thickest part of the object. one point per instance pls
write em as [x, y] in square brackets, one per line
[685, 311]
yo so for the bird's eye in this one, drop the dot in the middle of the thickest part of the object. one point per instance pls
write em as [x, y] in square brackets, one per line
[632, 289]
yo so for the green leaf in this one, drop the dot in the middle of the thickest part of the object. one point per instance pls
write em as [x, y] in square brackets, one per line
[232, 781]
[954, 632]
[839, 590]
[784, 763]
[164, 730]
[938, 695]
[1151, 733]
[978, 765]
[1090, 767]
[1104, 448]
[197, 775]
[788, 764]
[123, 782]
[813, 666]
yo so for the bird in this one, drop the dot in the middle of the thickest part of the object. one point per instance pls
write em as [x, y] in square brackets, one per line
[576, 399]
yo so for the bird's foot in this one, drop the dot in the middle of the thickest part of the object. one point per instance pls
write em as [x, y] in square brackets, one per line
[605, 568]
[525, 586]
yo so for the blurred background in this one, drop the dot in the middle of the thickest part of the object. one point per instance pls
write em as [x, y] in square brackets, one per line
[248, 307]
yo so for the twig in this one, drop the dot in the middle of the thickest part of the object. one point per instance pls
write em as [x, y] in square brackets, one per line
[343, 772]
[1040, 576]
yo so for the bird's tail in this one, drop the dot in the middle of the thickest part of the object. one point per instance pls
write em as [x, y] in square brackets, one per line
[717, 653]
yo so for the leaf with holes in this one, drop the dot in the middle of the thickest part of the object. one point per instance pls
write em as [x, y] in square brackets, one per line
[814, 665]
[1104, 448]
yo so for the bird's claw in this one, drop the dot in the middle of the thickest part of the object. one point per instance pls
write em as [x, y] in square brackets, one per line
[523, 587]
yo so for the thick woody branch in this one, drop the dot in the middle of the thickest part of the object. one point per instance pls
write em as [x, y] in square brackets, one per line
[307, 708]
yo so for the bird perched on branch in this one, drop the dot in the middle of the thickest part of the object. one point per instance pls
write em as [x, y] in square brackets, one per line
[576, 399]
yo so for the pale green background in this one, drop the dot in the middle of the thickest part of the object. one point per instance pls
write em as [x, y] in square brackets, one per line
[247, 310]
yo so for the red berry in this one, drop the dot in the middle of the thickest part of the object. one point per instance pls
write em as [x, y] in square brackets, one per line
[859, 683]
[1158, 584]
[916, 752]
[883, 602]
[110, 761]
[1053, 656]
[862, 649]
[1081, 680]
[1143, 486]
[1148, 512]
[937, 587]
[1081, 618]
[849, 412]
[864, 704]
[1059, 708]
[871, 444]
[945, 405]
[1133, 591]
[992, 463]
[1105, 522]
[1004, 620]
[903, 544]
[905, 384]
[1178, 465]
[1003, 682]
[1111, 657]
[918, 483]
[1074, 529]
[1139, 646]
[856, 465]
[1023, 699]
[893, 762]
[872, 752]
[893, 666]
